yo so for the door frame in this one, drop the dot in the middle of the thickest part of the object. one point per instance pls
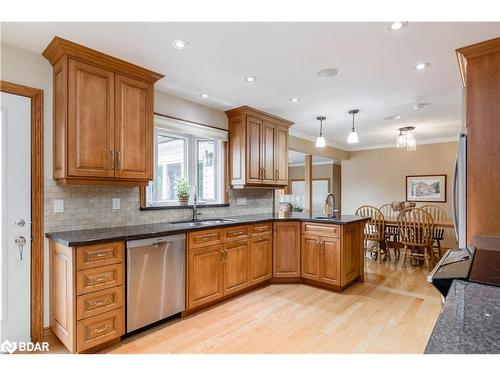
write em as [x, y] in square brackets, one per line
[36, 96]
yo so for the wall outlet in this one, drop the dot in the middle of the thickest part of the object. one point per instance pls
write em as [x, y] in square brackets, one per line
[241, 201]
[58, 205]
[116, 203]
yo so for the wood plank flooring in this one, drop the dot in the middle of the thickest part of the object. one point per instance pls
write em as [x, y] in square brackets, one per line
[394, 311]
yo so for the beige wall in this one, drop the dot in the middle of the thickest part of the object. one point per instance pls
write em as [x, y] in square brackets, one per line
[322, 171]
[377, 177]
[308, 147]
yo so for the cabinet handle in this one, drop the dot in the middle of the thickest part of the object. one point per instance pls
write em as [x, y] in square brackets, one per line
[100, 302]
[118, 153]
[101, 329]
[112, 159]
[97, 278]
[238, 232]
[99, 254]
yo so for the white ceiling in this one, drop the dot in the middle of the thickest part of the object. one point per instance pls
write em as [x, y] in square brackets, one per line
[376, 66]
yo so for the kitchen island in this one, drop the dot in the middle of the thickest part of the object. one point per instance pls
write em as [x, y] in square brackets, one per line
[224, 258]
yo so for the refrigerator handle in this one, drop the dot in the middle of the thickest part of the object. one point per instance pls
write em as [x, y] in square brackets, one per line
[454, 198]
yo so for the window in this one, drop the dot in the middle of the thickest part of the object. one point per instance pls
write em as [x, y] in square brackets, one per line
[191, 151]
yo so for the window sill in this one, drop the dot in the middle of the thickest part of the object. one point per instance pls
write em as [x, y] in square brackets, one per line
[179, 207]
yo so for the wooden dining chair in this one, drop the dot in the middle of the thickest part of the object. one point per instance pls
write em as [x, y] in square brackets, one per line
[391, 231]
[387, 210]
[374, 231]
[416, 228]
[439, 216]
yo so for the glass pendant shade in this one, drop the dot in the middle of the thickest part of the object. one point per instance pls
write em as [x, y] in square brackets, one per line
[406, 138]
[411, 142]
[401, 140]
[352, 137]
[320, 142]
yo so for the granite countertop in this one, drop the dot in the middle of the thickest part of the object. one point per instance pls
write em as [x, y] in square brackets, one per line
[133, 232]
[469, 322]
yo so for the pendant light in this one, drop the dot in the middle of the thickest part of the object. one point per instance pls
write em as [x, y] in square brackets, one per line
[406, 138]
[320, 141]
[353, 136]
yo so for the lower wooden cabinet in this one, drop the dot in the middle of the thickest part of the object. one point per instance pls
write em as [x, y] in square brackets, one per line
[236, 267]
[310, 257]
[87, 294]
[261, 259]
[286, 249]
[204, 275]
[329, 260]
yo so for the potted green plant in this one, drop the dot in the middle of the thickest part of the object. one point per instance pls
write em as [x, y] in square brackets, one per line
[182, 190]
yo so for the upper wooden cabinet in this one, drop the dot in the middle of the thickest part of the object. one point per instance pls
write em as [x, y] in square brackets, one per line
[258, 148]
[103, 117]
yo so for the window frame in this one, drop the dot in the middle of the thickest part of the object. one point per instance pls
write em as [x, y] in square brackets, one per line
[190, 168]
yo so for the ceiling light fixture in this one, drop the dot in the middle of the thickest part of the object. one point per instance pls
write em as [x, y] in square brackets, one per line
[294, 100]
[353, 136]
[422, 66]
[328, 72]
[398, 25]
[204, 96]
[320, 141]
[250, 78]
[406, 138]
[179, 44]
[418, 106]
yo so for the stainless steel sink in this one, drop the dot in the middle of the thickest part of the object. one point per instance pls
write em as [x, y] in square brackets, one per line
[198, 223]
[325, 217]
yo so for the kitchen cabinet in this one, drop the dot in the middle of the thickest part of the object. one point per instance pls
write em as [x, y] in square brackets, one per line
[286, 249]
[87, 294]
[103, 117]
[236, 266]
[320, 259]
[258, 149]
[310, 257]
[261, 262]
[204, 275]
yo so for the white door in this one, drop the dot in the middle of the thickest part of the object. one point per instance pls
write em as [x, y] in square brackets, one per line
[15, 218]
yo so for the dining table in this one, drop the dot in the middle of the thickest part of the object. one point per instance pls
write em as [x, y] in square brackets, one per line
[393, 220]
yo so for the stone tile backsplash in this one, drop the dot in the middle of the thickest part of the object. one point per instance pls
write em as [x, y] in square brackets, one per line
[87, 207]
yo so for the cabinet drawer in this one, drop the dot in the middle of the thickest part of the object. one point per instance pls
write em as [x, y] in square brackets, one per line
[95, 279]
[99, 329]
[330, 230]
[95, 303]
[204, 238]
[262, 229]
[99, 255]
[241, 232]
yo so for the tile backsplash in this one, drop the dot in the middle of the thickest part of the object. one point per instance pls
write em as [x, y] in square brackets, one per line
[87, 207]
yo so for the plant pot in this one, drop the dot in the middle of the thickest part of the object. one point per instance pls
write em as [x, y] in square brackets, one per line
[183, 201]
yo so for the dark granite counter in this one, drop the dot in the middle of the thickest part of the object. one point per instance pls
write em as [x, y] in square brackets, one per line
[133, 232]
[469, 322]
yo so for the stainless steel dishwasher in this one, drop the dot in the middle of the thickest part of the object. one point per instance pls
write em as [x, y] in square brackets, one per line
[155, 279]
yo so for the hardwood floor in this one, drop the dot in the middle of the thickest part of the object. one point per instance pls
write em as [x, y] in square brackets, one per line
[394, 311]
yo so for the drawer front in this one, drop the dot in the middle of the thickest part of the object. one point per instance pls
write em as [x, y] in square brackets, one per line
[95, 303]
[99, 329]
[328, 230]
[99, 255]
[262, 229]
[241, 232]
[95, 279]
[204, 238]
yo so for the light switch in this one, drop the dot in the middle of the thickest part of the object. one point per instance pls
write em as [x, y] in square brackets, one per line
[116, 203]
[241, 201]
[58, 205]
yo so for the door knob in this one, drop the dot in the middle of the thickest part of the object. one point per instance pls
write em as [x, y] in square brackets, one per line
[20, 242]
[20, 223]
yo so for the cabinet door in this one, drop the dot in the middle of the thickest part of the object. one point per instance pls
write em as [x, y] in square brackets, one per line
[253, 155]
[281, 156]
[267, 151]
[90, 121]
[261, 259]
[236, 266]
[352, 243]
[286, 249]
[330, 260]
[133, 129]
[310, 254]
[204, 275]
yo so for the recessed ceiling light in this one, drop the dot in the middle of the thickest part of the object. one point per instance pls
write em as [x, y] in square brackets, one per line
[422, 66]
[250, 78]
[204, 96]
[328, 72]
[294, 100]
[398, 25]
[179, 44]
[393, 117]
[420, 105]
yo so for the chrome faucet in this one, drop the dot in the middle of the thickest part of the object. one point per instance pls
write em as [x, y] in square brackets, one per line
[195, 207]
[330, 209]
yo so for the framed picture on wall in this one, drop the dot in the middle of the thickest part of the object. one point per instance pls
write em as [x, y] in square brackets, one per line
[426, 188]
